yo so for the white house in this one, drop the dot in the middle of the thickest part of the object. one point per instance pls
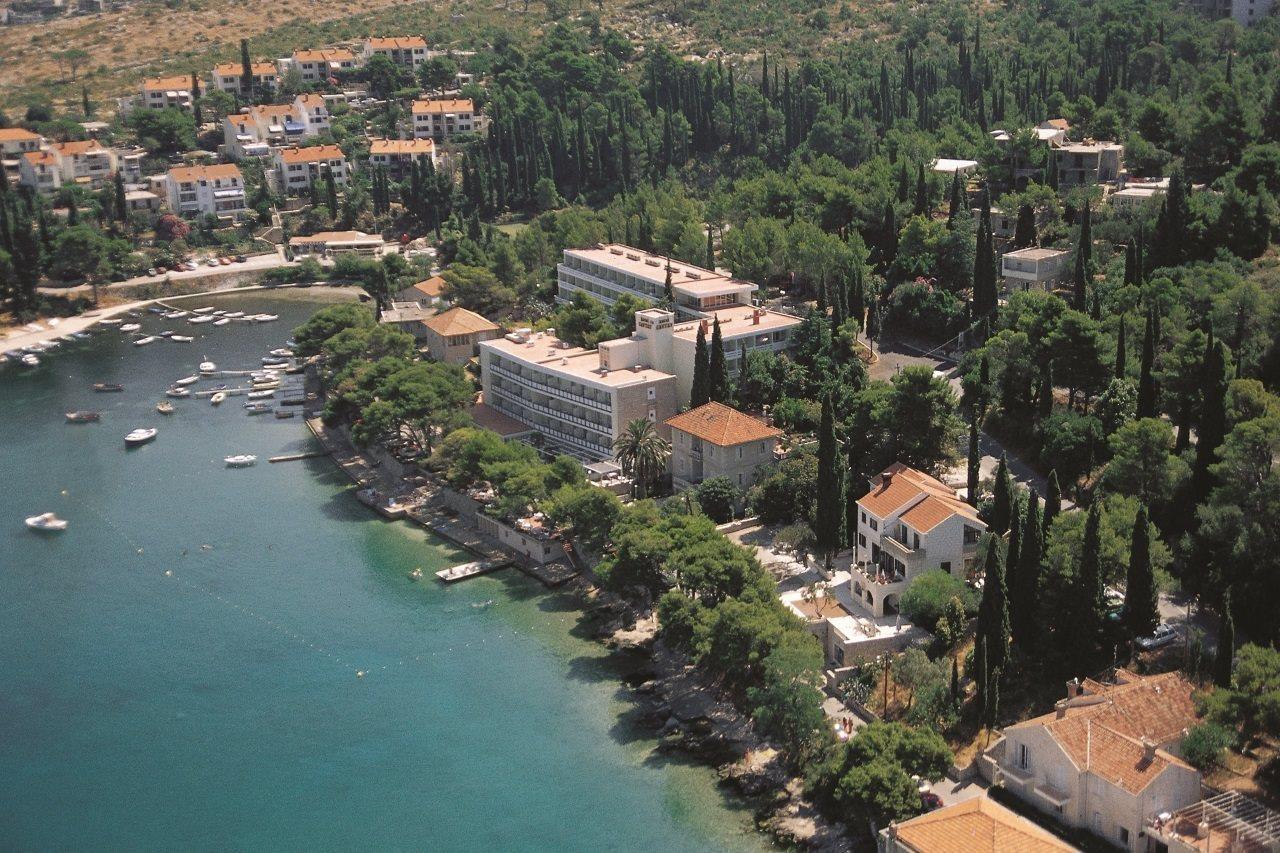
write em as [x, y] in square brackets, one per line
[1034, 268]
[608, 272]
[909, 523]
[319, 66]
[410, 51]
[87, 163]
[297, 168]
[978, 825]
[442, 118]
[312, 112]
[40, 171]
[1105, 759]
[15, 142]
[228, 76]
[160, 92]
[205, 190]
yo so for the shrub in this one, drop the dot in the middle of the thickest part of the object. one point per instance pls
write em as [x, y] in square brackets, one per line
[1203, 746]
[925, 601]
[718, 498]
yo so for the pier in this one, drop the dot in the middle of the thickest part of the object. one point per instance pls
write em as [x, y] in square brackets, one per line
[471, 570]
[294, 457]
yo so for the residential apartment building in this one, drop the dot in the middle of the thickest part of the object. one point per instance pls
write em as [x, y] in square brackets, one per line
[206, 190]
[409, 51]
[743, 329]
[1034, 268]
[1089, 162]
[40, 171]
[398, 156]
[312, 112]
[320, 66]
[298, 168]
[229, 77]
[608, 272]
[1105, 759]
[909, 523]
[443, 118]
[454, 336]
[254, 131]
[241, 137]
[14, 143]
[160, 92]
[88, 163]
[715, 440]
[580, 401]
[979, 825]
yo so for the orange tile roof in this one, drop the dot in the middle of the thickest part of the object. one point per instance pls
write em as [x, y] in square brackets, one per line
[395, 43]
[313, 154]
[444, 105]
[335, 237]
[190, 174]
[85, 146]
[235, 69]
[180, 83]
[1097, 749]
[43, 158]
[900, 486]
[240, 119]
[929, 513]
[979, 825]
[722, 425]
[16, 134]
[310, 99]
[401, 146]
[459, 321]
[268, 111]
[432, 287]
[337, 55]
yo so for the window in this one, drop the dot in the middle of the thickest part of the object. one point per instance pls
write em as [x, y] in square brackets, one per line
[946, 567]
[740, 452]
[1024, 757]
[1124, 835]
[874, 524]
[862, 540]
[652, 393]
[1097, 823]
[864, 518]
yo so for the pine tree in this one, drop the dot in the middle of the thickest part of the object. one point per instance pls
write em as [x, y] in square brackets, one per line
[1024, 589]
[973, 468]
[993, 610]
[1146, 378]
[1212, 426]
[1121, 355]
[1140, 614]
[1225, 657]
[829, 515]
[1052, 504]
[1002, 499]
[718, 371]
[701, 370]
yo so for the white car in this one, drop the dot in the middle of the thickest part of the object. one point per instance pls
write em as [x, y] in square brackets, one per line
[1163, 635]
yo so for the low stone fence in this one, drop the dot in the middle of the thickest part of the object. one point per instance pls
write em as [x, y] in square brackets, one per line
[738, 524]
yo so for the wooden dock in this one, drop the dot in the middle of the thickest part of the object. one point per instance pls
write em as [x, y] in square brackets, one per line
[293, 457]
[466, 571]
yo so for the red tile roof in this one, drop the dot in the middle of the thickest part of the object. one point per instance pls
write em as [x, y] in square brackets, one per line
[459, 321]
[979, 825]
[722, 425]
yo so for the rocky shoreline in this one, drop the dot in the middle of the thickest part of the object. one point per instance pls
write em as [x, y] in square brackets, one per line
[690, 715]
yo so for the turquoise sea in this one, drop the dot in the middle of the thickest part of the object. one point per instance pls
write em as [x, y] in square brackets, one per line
[178, 669]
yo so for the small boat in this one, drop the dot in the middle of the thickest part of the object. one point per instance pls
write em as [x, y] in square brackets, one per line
[164, 407]
[274, 361]
[281, 414]
[176, 315]
[81, 336]
[149, 339]
[291, 343]
[130, 327]
[217, 399]
[30, 360]
[203, 318]
[110, 321]
[222, 322]
[154, 310]
[47, 521]
[182, 339]
[264, 376]
[175, 391]
[166, 333]
[187, 380]
[140, 436]
[272, 382]
[83, 417]
[205, 310]
[416, 574]
[282, 353]
[66, 339]
[264, 318]
[107, 386]
[262, 394]
[208, 367]
[233, 315]
[257, 408]
[243, 460]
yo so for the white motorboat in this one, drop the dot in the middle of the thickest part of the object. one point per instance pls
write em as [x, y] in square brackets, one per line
[175, 315]
[164, 407]
[243, 460]
[274, 361]
[257, 408]
[262, 394]
[166, 333]
[149, 339]
[130, 327]
[233, 315]
[47, 521]
[203, 318]
[264, 318]
[205, 310]
[220, 312]
[217, 399]
[208, 367]
[264, 376]
[30, 360]
[110, 321]
[182, 339]
[222, 322]
[282, 352]
[141, 435]
[187, 380]
[175, 391]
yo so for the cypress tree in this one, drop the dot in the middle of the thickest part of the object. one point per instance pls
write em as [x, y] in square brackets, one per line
[1271, 117]
[711, 251]
[922, 192]
[246, 68]
[1052, 505]
[1131, 262]
[1146, 378]
[889, 236]
[1083, 265]
[701, 393]
[857, 299]
[984, 263]
[718, 372]
[195, 100]
[1140, 614]
[829, 515]
[979, 673]
[1084, 619]
[955, 681]
[956, 206]
[1120, 353]
[1024, 235]
[331, 192]
[1212, 426]
[904, 181]
[85, 103]
[973, 469]
[1045, 398]
[1024, 588]
[122, 207]
[1002, 499]
[1226, 644]
[993, 610]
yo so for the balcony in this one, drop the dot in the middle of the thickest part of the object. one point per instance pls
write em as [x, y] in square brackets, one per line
[603, 429]
[873, 577]
[902, 550]
[596, 450]
[605, 407]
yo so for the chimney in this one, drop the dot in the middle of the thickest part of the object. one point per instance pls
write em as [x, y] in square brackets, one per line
[1073, 688]
[1060, 709]
[1148, 750]
[704, 326]
[755, 317]
[886, 478]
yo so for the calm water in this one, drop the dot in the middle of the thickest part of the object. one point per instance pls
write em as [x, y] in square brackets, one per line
[218, 707]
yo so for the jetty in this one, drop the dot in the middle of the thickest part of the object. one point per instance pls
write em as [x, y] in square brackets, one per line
[471, 570]
[294, 457]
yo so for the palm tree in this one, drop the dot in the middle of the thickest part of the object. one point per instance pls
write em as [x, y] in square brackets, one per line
[642, 453]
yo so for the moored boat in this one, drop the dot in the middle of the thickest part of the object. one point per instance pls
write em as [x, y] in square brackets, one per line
[130, 327]
[242, 460]
[107, 386]
[264, 318]
[149, 339]
[221, 322]
[217, 399]
[203, 318]
[257, 408]
[233, 315]
[110, 321]
[281, 414]
[31, 360]
[139, 436]
[164, 407]
[205, 310]
[176, 391]
[174, 315]
[182, 339]
[83, 417]
[261, 394]
[188, 380]
[47, 521]
[207, 366]
[282, 352]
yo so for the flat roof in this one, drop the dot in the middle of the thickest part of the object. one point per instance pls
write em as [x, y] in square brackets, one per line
[737, 321]
[945, 164]
[338, 237]
[548, 353]
[653, 268]
[1037, 253]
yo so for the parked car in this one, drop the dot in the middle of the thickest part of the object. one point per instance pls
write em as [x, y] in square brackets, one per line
[930, 801]
[212, 262]
[1163, 635]
[153, 271]
[226, 262]
[240, 259]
